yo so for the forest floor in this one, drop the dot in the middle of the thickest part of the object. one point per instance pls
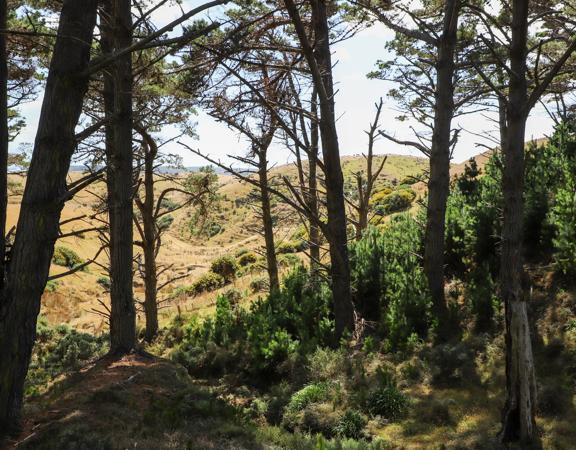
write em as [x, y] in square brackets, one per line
[146, 402]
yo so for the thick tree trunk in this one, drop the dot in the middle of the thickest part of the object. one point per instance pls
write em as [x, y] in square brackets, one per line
[439, 181]
[271, 262]
[42, 203]
[340, 264]
[519, 415]
[120, 190]
[3, 139]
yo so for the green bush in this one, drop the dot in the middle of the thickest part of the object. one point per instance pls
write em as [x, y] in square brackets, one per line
[63, 256]
[295, 320]
[247, 258]
[351, 424]
[389, 283]
[291, 247]
[312, 393]
[59, 350]
[104, 282]
[396, 201]
[226, 267]
[259, 284]
[387, 401]
[208, 282]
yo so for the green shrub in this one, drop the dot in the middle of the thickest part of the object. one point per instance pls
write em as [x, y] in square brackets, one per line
[396, 201]
[272, 332]
[312, 393]
[104, 282]
[288, 260]
[208, 282]
[387, 401]
[259, 284]
[247, 258]
[351, 424]
[51, 286]
[60, 350]
[226, 267]
[291, 247]
[63, 256]
[388, 280]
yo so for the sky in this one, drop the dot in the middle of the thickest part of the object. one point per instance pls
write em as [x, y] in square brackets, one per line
[355, 100]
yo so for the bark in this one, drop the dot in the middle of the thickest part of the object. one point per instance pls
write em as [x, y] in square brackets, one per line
[439, 181]
[340, 264]
[42, 203]
[519, 413]
[271, 262]
[3, 139]
[149, 244]
[313, 192]
[120, 188]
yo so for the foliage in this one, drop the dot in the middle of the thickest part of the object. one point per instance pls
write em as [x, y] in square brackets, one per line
[247, 258]
[63, 256]
[563, 212]
[291, 321]
[226, 267]
[311, 393]
[291, 247]
[390, 286]
[396, 201]
[59, 350]
[208, 282]
[351, 424]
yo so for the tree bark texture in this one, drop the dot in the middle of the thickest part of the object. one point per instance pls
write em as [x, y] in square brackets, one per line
[42, 202]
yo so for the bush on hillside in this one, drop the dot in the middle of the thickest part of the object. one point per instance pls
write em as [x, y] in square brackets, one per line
[396, 201]
[226, 267]
[66, 257]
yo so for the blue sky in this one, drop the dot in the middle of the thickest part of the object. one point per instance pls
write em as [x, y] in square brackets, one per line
[354, 106]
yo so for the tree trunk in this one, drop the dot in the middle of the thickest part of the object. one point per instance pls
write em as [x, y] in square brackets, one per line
[120, 189]
[149, 243]
[313, 191]
[439, 181]
[42, 203]
[271, 262]
[3, 139]
[340, 264]
[519, 415]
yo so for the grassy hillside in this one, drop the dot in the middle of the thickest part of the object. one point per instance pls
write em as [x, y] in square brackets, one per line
[74, 299]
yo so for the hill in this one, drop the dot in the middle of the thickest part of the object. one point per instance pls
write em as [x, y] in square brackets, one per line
[76, 299]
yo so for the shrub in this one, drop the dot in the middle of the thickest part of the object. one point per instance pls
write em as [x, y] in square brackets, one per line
[390, 286]
[288, 260]
[312, 393]
[291, 247]
[59, 350]
[245, 259]
[259, 284]
[51, 286]
[226, 267]
[388, 401]
[63, 256]
[272, 332]
[208, 282]
[396, 201]
[104, 282]
[351, 424]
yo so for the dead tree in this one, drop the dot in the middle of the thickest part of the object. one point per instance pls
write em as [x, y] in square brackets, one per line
[365, 182]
